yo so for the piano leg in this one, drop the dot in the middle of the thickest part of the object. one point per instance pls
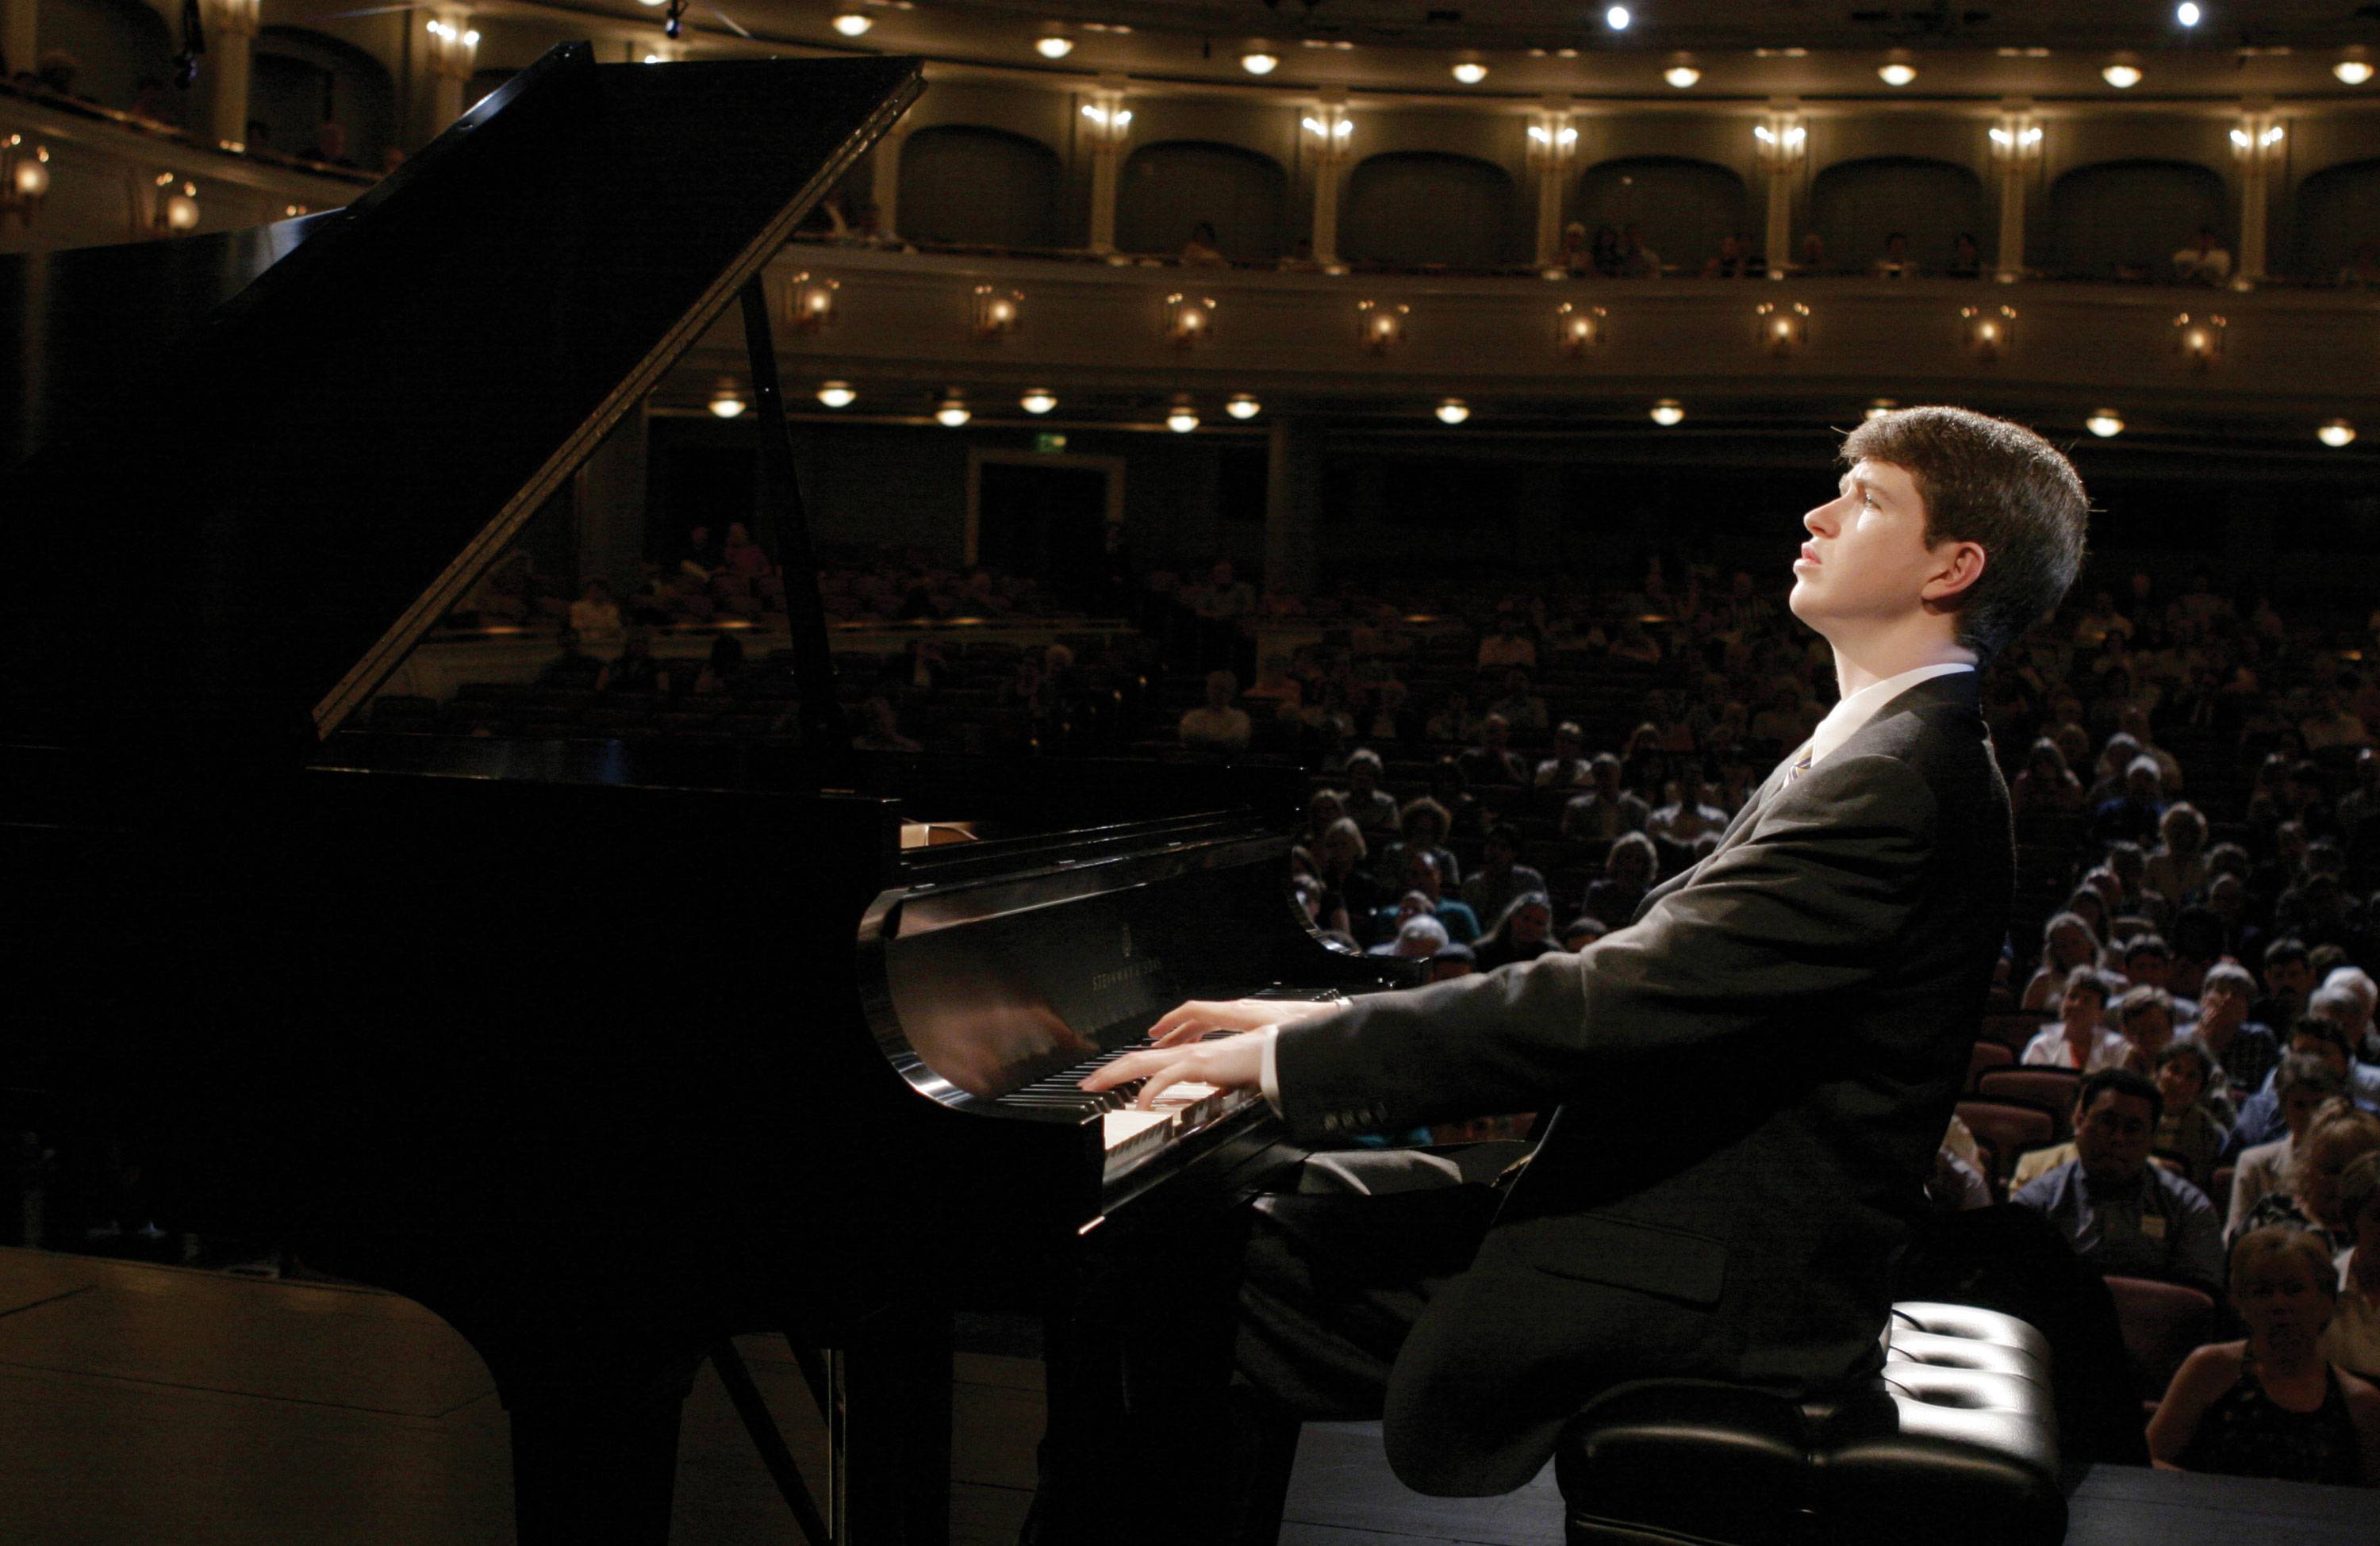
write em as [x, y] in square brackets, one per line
[598, 1464]
[892, 1384]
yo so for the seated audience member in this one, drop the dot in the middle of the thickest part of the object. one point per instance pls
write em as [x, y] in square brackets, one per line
[1419, 938]
[1636, 259]
[2188, 1130]
[723, 672]
[2067, 942]
[1629, 870]
[1605, 812]
[1421, 877]
[2361, 995]
[1384, 712]
[1218, 726]
[634, 669]
[1895, 263]
[1735, 261]
[2131, 816]
[2337, 1135]
[1583, 930]
[1501, 877]
[2176, 868]
[2044, 784]
[1575, 255]
[1449, 785]
[2204, 261]
[2340, 1007]
[1690, 815]
[2273, 1405]
[2262, 1116]
[2288, 983]
[1507, 645]
[1347, 893]
[1521, 933]
[2143, 1017]
[2245, 1051]
[2332, 723]
[1422, 828]
[595, 615]
[2148, 962]
[1371, 807]
[2081, 1039]
[1966, 258]
[1493, 761]
[2353, 1340]
[2124, 1216]
[1201, 251]
[1634, 644]
[1568, 766]
[742, 556]
[573, 670]
[1323, 808]
[881, 728]
[1521, 708]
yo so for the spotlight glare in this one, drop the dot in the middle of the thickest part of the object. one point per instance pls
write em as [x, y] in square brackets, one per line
[1880, 408]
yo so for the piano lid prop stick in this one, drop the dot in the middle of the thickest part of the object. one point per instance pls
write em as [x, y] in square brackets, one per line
[822, 724]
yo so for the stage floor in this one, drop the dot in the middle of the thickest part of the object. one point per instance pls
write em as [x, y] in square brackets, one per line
[150, 1404]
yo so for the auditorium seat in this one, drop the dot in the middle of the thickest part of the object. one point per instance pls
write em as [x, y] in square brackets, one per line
[2052, 1090]
[2162, 1322]
[1986, 1056]
[1953, 1443]
[2008, 1129]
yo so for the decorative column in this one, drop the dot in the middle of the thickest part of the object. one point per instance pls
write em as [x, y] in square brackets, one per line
[1782, 139]
[1329, 131]
[2016, 145]
[21, 34]
[1553, 140]
[884, 178]
[1110, 120]
[453, 45]
[2257, 141]
[223, 70]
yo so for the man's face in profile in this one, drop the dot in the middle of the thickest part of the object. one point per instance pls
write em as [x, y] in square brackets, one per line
[1866, 556]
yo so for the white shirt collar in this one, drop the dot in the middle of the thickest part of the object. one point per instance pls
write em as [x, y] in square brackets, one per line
[1844, 719]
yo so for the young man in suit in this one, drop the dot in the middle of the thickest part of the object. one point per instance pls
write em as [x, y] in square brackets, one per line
[1815, 982]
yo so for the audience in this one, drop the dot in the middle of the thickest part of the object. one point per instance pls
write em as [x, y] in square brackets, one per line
[2121, 1213]
[2079, 1039]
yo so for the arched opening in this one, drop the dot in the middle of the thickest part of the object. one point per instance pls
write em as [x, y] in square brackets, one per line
[1417, 208]
[1683, 208]
[980, 187]
[305, 79]
[2126, 219]
[2337, 210]
[1171, 187]
[114, 45]
[1855, 205]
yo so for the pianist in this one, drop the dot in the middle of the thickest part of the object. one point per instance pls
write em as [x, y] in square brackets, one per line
[1815, 982]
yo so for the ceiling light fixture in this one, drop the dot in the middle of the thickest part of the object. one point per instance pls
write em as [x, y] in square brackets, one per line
[1880, 408]
[953, 413]
[2335, 434]
[1040, 400]
[837, 395]
[1897, 74]
[1668, 411]
[851, 23]
[1469, 72]
[2355, 72]
[1242, 406]
[1258, 62]
[1455, 410]
[1181, 418]
[1681, 75]
[1617, 19]
[1054, 47]
[2187, 14]
[2123, 78]
[727, 402]
[2106, 424]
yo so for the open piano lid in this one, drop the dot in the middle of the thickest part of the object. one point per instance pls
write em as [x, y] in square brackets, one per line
[312, 478]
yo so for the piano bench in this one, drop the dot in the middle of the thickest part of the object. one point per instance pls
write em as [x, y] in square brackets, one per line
[1953, 1443]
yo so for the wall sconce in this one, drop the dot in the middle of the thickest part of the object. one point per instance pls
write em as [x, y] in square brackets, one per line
[2016, 138]
[727, 402]
[1109, 119]
[1552, 140]
[453, 45]
[1990, 330]
[1781, 144]
[24, 178]
[1379, 327]
[996, 312]
[809, 303]
[2258, 134]
[1188, 318]
[1330, 128]
[2198, 338]
[1784, 327]
[164, 206]
[1578, 329]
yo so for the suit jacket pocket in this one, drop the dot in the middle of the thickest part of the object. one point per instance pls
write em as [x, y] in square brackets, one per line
[1597, 1248]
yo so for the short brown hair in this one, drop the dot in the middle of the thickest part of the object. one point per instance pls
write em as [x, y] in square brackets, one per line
[2290, 1241]
[1998, 484]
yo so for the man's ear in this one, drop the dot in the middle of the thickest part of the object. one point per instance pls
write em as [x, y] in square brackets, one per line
[1958, 566]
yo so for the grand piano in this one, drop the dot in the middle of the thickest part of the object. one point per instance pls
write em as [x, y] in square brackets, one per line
[604, 1051]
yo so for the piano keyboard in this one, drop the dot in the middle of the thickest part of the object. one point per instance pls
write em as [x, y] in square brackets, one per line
[1130, 1135]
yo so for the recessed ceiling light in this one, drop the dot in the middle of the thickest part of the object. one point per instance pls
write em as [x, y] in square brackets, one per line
[2355, 72]
[1897, 74]
[1617, 19]
[1054, 47]
[2105, 424]
[837, 395]
[1469, 72]
[1667, 411]
[1681, 75]
[1258, 64]
[1455, 410]
[2123, 78]
[851, 23]
[2337, 433]
[2187, 14]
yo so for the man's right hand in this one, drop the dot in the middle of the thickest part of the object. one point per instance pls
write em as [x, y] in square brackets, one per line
[1199, 1017]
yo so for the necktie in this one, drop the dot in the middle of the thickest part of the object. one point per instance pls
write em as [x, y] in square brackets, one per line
[1801, 764]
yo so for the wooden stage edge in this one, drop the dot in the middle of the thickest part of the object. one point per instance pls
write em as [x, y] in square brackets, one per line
[147, 1403]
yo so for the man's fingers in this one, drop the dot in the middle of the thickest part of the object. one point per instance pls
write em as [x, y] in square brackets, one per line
[1179, 1071]
[1123, 1070]
[1184, 1021]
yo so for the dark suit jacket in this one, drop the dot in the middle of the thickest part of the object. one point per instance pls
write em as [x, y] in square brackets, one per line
[1754, 1079]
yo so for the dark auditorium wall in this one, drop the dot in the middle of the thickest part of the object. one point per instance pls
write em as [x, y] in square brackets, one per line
[114, 42]
[1683, 207]
[300, 75]
[1417, 208]
[986, 187]
[1168, 187]
[2337, 208]
[1854, 205]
